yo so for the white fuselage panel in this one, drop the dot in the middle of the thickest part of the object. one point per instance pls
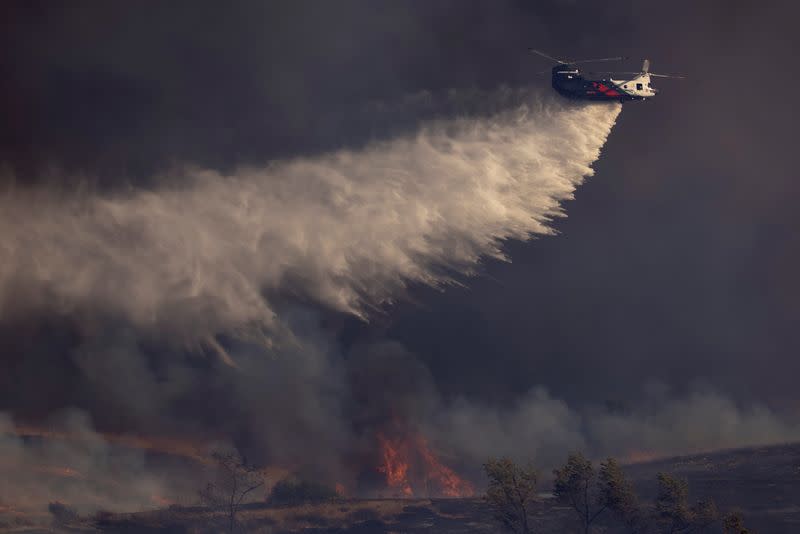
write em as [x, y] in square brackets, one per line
[638, 86]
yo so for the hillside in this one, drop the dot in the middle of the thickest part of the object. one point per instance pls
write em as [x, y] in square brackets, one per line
[763, 482]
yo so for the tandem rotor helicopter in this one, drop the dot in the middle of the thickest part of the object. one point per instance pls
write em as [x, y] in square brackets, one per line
[569, 81]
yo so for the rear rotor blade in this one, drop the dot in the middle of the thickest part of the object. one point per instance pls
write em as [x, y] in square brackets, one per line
[612, 74]
[643, 73]
[668, 76]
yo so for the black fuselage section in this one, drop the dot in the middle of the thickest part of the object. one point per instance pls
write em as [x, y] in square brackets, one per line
[569, 82]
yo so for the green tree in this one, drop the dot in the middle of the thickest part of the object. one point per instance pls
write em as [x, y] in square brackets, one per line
[575, 485]
[619, 496]
[511, 493]
[672, 507]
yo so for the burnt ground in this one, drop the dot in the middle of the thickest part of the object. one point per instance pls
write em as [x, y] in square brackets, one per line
[763, 483]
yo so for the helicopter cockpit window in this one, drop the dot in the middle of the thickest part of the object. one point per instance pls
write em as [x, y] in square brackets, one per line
[638, 87]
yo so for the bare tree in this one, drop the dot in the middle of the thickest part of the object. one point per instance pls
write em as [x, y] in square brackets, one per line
[511, 492]
[235, 481]
[575, 485]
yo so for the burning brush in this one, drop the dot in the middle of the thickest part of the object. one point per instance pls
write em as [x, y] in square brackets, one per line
[412, 469]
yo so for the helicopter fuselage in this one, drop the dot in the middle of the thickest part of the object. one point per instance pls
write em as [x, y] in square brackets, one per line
[569, 82]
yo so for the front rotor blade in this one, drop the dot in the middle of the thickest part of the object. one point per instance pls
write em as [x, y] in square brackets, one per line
[620, 58]
[551, 58]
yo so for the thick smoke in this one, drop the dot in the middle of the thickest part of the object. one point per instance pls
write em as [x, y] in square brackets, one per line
[542, 428]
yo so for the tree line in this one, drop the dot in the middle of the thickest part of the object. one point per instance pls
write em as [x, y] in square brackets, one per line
[513, 493]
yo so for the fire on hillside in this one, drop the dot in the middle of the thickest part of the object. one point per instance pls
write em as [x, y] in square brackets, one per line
[400, 462]
[412, 469]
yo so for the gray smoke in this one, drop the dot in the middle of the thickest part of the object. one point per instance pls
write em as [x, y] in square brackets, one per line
[73, 463]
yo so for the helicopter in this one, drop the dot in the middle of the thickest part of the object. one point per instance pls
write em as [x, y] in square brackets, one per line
[568, 81]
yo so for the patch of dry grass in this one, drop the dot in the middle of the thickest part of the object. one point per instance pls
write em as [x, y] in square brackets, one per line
[258, 518]
[337, 514]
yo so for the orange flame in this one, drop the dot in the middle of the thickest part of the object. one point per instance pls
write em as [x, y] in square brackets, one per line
[410, 458]
[450, 484]
[395, 465]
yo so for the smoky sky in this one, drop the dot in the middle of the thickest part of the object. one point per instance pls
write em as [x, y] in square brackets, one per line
[674, 270]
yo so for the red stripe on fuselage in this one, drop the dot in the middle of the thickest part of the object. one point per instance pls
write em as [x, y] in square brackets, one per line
[607, 91]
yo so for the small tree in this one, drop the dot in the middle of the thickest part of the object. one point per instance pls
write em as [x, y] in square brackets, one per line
[235, 481]
[574, 485]
[619, 496]
[511, 493]
[733, 524]
[704, 513]
[672, 506]
[673, 510]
